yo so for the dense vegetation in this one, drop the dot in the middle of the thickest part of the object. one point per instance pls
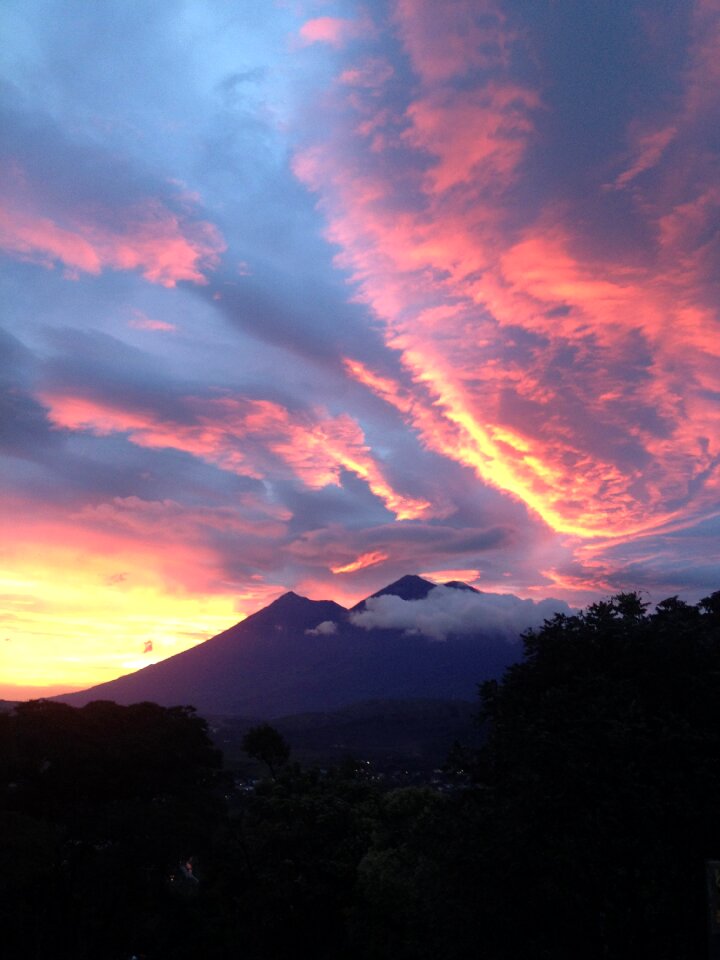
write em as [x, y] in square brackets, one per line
[581, 826]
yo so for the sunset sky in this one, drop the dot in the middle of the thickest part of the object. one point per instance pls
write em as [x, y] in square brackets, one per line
[311, 294]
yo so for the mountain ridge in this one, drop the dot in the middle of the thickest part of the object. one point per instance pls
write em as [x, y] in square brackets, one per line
[277, 662]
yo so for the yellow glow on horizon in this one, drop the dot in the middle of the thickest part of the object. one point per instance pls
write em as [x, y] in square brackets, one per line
[69, 625]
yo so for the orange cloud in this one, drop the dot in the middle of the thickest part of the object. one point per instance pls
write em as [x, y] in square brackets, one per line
[365, 560]
[579, 381]
[249, 437]
[443, 576]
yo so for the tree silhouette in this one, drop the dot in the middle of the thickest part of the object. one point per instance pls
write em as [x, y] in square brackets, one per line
[266, 744]
[600, 778]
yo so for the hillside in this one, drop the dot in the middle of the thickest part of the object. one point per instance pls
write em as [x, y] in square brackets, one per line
[298, 655]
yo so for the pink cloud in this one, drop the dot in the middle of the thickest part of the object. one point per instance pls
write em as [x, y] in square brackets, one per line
[372, 73]
[140, 321]
[479, 304]
[335, 31]
[365, 560]
[39, 239]
[450, 39]
[648, 147]
[703, 70]
[164, 246]
[254, 438]
[480, 137]
[170, 521]
[95, 539]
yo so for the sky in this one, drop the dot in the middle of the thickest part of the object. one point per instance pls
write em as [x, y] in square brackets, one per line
[311, 294]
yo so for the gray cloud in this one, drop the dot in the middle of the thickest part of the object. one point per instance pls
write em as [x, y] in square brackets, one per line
[445, 611]
[325, 629]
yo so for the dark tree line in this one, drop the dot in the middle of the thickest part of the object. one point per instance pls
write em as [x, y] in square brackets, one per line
[99, 807]
[580, 829]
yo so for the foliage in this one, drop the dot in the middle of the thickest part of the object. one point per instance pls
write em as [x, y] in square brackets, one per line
[600, 777]
[581, 829]
[290, 861]
[98, 806]
[266, 744]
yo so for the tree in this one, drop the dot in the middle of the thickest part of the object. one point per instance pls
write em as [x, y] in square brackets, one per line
[98, 805]
[600, 778]
[266, 744]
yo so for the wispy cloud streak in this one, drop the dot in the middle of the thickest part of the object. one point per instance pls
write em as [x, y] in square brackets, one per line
[246, 436]
[579, 378]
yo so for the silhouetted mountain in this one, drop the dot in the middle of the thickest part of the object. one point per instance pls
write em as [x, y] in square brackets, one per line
[301, 611]
[459, 585]
[298, 655]
[409, 587]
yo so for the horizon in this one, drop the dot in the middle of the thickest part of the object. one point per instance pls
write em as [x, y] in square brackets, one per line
[29, 692]
[300, 296]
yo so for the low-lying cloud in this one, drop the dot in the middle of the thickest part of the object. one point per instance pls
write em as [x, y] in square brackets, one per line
[325, 629]
[446, 611]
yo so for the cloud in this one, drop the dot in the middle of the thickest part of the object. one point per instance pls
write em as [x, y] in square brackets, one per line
[243, 435]
[565, 359]
[140, 321]
[503, 218]
[649, 147]
[335, 31]
[163, 246]
[447, 611]
[360, 563]
[171, 521]
[325, 629]
[87, 208]
[478, 138]
[372, 73]
[454, 39]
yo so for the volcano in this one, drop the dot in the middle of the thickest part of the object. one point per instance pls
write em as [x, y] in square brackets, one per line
[298, 655]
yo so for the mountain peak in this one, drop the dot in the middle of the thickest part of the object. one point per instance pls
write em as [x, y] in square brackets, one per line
[289, 600]
[299, 654]
[292, 609]
[409, 587]
[459, 585]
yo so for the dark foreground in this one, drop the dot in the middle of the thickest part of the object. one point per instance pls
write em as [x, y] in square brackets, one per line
[579, 829]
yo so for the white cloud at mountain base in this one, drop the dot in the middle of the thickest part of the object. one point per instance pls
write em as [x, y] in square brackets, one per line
[447, 610]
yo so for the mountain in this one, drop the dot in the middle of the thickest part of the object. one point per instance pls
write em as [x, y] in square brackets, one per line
[410, 587]
[300, 656]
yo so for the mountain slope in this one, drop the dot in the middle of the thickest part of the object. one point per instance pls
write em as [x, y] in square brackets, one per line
[409, 587]
[298, 655]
